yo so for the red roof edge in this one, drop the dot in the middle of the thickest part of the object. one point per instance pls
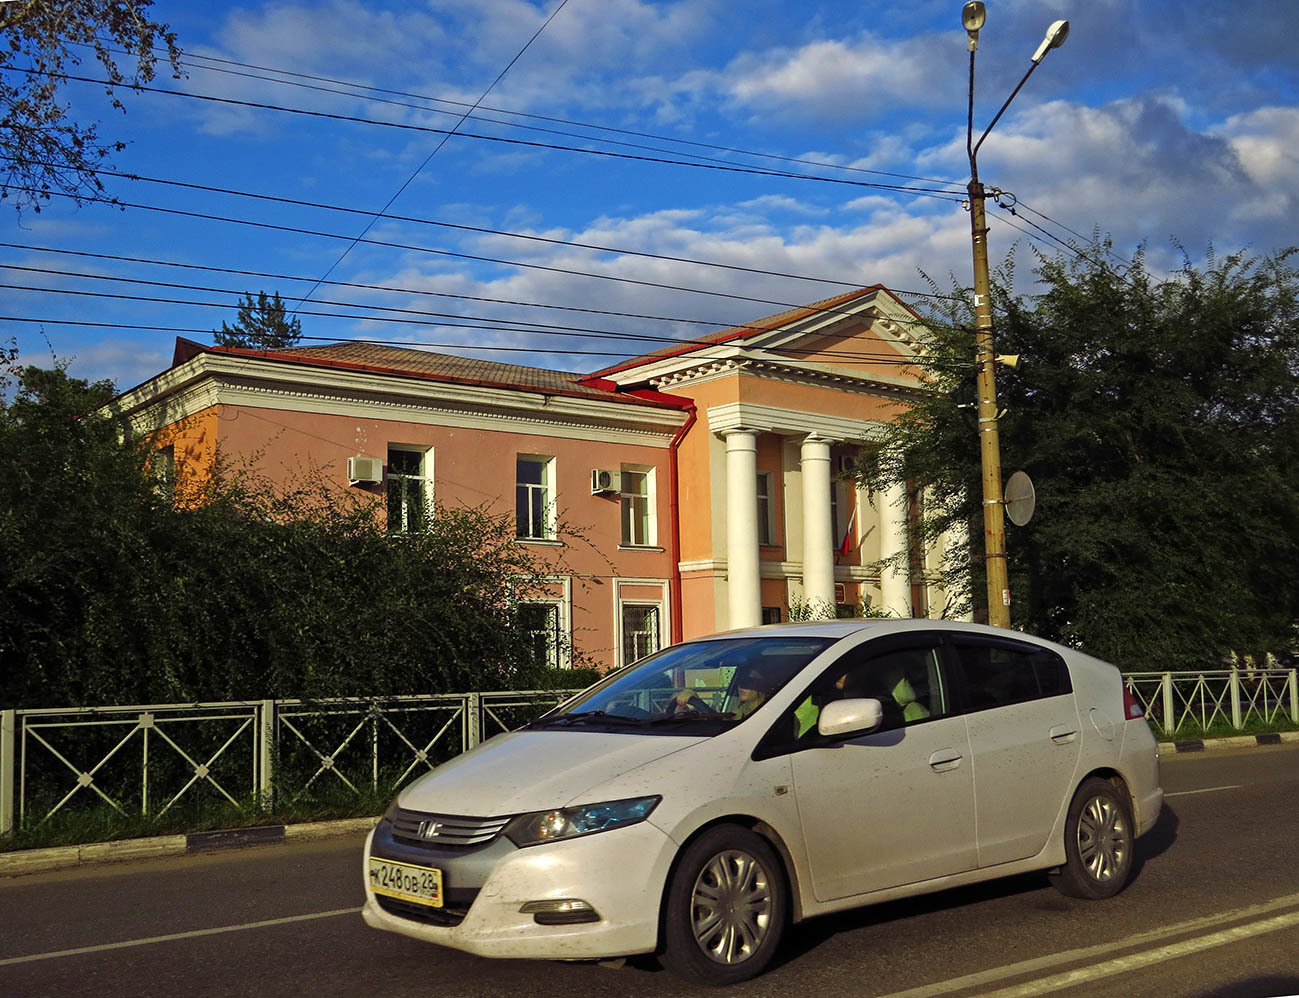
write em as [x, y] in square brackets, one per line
[661, 398]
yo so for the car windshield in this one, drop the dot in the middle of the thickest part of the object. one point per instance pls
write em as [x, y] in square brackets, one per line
[701, 687]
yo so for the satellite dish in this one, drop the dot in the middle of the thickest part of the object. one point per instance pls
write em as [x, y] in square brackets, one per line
[1020, 499]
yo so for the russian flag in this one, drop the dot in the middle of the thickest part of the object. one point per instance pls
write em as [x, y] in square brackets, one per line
[845, 545]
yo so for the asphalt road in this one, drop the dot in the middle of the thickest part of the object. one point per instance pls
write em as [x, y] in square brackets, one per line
[1213, 911]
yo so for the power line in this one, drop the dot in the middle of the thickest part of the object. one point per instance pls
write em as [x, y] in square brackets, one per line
[943, 195]
[426, 249]
[190, 56]
[438, 148]
[568, 352]
[394, 289]
[437, 320]
[802, 161]
[482, 230]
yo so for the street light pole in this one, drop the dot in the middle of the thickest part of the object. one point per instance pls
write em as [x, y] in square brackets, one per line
[994, 508]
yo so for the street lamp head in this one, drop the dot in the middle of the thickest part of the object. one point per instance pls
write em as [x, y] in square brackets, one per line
[973, 14]
[1055, 36]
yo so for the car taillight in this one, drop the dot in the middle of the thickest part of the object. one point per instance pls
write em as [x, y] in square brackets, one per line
[1131, 708]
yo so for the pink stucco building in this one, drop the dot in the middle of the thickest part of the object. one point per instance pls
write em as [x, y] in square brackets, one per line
[707, 480]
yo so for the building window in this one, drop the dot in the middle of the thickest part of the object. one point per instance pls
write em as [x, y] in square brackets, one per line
[640, 631]
[534, 502]
[771, 615]
[410, 499]
[766, 531]
[163, 465]
[637, 507]
[539, 623]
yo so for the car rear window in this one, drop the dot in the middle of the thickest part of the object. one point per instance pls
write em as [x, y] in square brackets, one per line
[1000, 674]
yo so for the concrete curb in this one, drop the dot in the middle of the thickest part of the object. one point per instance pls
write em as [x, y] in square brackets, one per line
[24, 861]
[1231, 742]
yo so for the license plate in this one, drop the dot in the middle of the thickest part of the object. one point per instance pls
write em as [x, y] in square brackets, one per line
[416, 884]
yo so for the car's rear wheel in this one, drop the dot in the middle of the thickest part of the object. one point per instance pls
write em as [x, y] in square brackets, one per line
[726, 908]
[1098, 842]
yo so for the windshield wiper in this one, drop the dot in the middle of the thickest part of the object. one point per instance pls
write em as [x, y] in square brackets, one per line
[694, 715]
[581, 716]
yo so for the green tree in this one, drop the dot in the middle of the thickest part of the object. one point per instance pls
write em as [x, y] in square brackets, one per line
[118, 588]
[1159, 420]
[263, 324]
[47, 151]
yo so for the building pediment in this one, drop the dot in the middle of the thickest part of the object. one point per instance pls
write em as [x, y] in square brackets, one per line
[868, 337]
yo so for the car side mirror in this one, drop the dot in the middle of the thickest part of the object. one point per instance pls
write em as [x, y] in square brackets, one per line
[845, 717]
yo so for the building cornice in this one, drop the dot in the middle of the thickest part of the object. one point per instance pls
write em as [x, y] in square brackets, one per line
[790, 422]
[212, 379]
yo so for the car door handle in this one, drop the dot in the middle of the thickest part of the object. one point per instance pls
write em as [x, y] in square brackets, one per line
[944, 759]
[1062, 734]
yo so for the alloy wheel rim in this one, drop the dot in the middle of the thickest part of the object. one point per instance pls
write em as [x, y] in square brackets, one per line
[1103, 840]
[731, 907]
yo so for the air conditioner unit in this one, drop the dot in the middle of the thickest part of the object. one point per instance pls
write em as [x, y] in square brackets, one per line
[845, 464]
[603, 480]
[364, 469]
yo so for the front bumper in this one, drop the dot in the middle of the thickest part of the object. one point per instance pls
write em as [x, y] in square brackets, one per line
[620, 873]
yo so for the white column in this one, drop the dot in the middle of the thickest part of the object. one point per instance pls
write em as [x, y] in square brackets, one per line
[818, 542]
[744, 591]
[895, 576]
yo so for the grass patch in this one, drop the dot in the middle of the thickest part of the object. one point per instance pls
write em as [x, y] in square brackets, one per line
[1189, 729]
[83, 825]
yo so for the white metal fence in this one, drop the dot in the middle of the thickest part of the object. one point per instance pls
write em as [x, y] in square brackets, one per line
[148, 758]
[1177, 701]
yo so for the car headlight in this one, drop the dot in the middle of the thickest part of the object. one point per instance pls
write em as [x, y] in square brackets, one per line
[570, 822]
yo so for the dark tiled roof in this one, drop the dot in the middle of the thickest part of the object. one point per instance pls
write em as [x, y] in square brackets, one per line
[382, 359]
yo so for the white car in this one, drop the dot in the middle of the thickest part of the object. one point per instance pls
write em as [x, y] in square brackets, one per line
[696, 803]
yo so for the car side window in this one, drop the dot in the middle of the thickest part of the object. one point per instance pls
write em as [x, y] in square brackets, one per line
[908, 683]
[1000, 674]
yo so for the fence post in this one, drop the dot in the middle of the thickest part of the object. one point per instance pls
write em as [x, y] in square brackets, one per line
[473, 720]
[1294, 695]
[1234, 683]
[8, 763]
[1170, 722]
[266, 755]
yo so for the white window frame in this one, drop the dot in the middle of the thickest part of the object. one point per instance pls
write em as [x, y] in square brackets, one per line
[554, 638]
[622, 601]
[548, 526]
[626, 508]
[563, 600]
[425, 478]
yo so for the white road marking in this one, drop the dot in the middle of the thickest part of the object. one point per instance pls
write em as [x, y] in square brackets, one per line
[170, 937]
[1206, 790]
[985, 977]
[1137, 961]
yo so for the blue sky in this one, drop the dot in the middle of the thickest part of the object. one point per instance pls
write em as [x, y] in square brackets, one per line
[1157, 123]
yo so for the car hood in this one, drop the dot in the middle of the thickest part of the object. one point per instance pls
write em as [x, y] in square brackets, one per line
[534, 770]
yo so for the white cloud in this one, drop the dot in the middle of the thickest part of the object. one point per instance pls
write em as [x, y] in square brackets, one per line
[862, 77]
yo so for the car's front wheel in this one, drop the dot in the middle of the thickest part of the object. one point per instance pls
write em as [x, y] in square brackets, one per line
[1098, 842]
[726, 907]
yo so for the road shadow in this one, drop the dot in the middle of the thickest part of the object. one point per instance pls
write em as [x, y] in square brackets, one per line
[807, 936]
[1158, 840]
[1258, 987]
